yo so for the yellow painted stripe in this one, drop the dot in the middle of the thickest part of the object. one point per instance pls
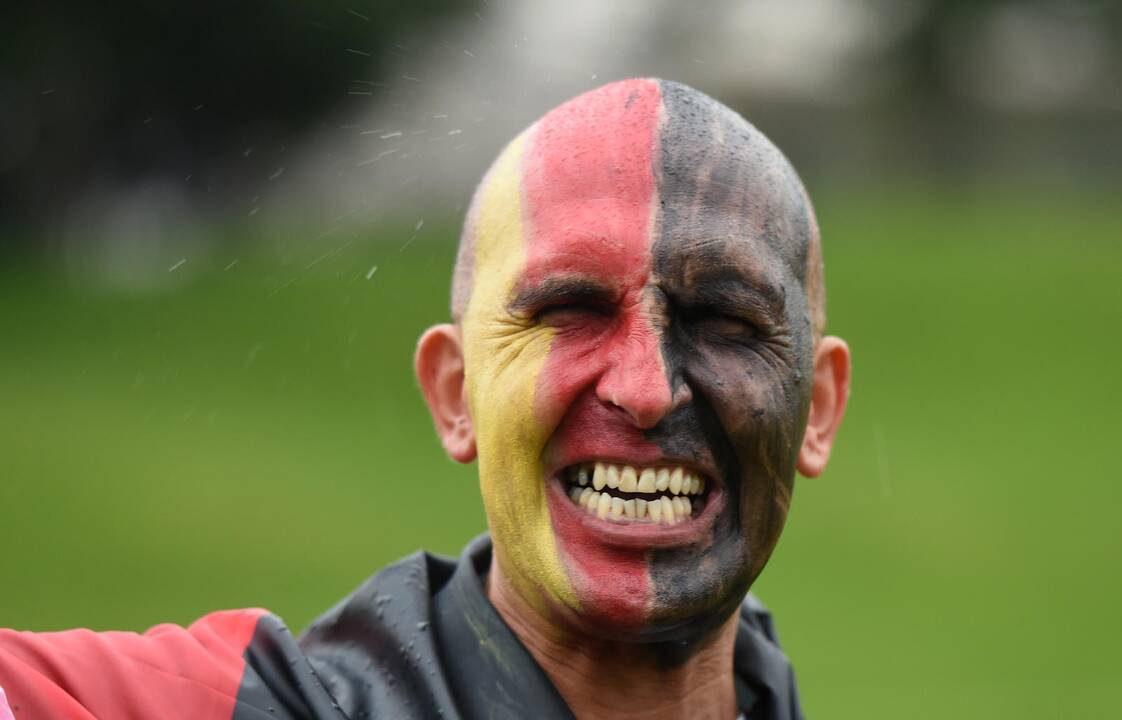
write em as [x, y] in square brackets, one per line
[503, 357]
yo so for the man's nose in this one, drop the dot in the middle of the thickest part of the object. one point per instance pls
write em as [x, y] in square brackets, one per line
[636, 379]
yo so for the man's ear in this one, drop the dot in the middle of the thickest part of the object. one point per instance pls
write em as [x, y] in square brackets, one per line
[439, 364]
[827, 404]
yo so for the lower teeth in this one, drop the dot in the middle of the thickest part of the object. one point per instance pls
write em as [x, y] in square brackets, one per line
[660, 509]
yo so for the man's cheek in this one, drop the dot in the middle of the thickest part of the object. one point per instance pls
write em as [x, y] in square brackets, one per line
[747, 394]
[750, 419]
[502, 385]
[612, 585]
[574, 362]
[504, 364]
[761, 421]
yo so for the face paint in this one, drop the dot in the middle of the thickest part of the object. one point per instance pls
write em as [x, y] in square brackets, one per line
[503, 356]
[582, 227]
[730, 256]
[590, 197]
[636, 298]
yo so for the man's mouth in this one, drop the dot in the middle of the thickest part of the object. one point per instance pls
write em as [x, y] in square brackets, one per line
[662, 495]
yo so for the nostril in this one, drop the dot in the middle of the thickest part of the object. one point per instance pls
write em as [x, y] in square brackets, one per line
[646, 413]
[626, 411]
[636, 382]
[644, 403]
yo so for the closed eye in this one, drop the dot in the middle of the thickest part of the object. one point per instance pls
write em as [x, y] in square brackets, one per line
[560, 315]
[731, 327]
[564, 301]
[714, 323]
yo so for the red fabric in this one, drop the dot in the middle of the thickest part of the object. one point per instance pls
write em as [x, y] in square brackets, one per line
[169, 671]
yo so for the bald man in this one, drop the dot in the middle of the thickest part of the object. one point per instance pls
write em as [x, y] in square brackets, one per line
[637, 359]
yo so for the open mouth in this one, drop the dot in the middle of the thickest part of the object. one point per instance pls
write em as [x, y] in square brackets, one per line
[663, 495]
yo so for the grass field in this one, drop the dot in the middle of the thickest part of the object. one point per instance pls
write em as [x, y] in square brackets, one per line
[255, 438]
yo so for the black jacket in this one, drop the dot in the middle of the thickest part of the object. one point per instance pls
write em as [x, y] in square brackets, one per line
[418, 640]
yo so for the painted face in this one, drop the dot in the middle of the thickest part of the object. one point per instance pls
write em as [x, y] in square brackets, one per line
[638, 354]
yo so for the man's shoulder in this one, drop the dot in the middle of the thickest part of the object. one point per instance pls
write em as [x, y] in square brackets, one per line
[406, 583]
[376, 650]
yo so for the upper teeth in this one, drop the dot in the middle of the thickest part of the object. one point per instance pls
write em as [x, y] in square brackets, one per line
[631, 479]
[664, 485]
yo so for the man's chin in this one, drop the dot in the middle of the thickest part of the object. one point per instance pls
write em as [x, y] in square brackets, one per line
[599, 616]
[632, 581]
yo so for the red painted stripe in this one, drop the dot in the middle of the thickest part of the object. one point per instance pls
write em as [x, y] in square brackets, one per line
[617, 579]
[169, 671]
[589, 191]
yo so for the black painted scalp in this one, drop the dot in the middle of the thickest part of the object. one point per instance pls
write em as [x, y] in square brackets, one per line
[711, 158]
[734, 237]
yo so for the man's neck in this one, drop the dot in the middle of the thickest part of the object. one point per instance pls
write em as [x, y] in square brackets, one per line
[599, 678]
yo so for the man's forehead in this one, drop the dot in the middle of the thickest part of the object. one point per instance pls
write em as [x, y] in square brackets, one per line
[589, 186]
[724, 189]
[636, 180]
[654, 168]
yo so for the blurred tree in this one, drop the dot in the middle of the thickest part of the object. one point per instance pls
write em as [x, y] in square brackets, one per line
[94, 93]
[938, 33]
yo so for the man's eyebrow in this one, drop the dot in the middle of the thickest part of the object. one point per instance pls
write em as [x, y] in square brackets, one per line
[724, 289]
[566, 290]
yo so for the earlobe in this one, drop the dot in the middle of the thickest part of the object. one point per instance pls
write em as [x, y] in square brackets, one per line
[439, 364]
[827, 404]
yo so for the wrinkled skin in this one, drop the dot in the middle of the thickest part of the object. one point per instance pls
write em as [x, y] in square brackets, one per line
[631, 288]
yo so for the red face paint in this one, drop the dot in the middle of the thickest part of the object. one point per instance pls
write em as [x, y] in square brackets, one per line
[589, 192]
[612, 579]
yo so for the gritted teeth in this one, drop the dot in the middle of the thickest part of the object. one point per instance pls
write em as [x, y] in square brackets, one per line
[625, 493]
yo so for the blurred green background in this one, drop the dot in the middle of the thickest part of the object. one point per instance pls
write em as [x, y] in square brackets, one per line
[222, 233]
[256, 439]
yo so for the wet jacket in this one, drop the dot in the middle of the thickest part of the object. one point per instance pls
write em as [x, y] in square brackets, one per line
[419, 639]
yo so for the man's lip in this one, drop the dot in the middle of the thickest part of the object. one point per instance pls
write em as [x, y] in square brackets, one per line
[636, 536]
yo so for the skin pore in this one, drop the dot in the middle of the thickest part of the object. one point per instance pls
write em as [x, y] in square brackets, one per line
[638, 366]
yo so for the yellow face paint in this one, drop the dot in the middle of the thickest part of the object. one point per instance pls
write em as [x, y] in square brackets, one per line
[503, 356]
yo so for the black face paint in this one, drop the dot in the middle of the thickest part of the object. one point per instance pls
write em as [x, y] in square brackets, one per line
[731, 242]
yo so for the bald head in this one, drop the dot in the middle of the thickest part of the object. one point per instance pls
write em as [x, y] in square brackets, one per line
[704, 159]
[639, 282]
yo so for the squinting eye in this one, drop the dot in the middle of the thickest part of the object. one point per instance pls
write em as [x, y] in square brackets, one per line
[569, 314]
[727, 326]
